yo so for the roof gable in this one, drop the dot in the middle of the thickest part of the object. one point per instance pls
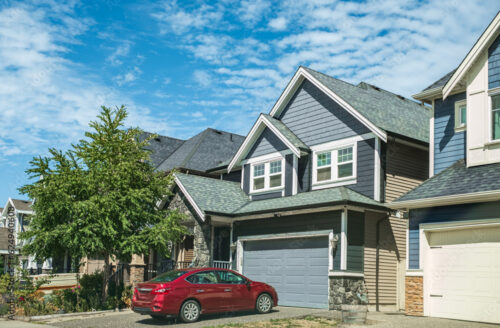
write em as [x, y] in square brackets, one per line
[279, 129]
[484, 41]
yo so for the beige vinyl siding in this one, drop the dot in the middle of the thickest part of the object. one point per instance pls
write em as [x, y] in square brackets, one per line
[406, 168]
[390, 252]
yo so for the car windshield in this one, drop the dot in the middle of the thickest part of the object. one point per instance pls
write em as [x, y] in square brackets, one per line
[169, 276]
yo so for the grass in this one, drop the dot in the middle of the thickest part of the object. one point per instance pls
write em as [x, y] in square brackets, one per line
[306, 322]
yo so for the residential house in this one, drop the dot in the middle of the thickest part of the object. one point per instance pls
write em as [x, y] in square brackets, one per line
[308, 212]
[22, 212]
[453, 268]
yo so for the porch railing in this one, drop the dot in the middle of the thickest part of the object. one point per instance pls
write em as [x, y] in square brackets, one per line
[221, 264]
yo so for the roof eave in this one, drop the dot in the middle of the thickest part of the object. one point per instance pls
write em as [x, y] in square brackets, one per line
[429, 95]
[482, 196]
[490, 33]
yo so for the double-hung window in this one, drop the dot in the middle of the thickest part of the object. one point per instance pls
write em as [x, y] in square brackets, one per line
[267, 176]
[495, 117]
[334, 165]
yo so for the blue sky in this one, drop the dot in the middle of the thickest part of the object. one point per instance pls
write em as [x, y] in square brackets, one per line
[183, 66]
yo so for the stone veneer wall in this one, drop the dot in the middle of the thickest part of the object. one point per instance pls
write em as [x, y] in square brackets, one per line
[347, 290]
[201, 230]
[136, 274]
[414, 296]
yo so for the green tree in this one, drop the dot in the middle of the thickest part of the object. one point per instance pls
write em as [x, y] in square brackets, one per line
[101, 197]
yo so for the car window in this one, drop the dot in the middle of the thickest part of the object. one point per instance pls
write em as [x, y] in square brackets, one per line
[204, 277]
[227, 277]
[169, 276]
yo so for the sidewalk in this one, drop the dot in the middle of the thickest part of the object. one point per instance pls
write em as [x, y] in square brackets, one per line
[21, 324]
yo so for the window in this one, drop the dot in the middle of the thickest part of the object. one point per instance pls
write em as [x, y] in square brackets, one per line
[460, 115]
[204, 277]
[333, 165]
[495, 117]
[267, 176]
[168, 276]
[227, 277]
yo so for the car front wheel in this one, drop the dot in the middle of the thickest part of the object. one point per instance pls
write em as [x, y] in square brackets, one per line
[190, 311]
[264, 303]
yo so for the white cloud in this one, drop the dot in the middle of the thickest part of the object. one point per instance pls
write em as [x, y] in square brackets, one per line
[130, 76]
[278, 23]
[252, 11]
[45, 100]
[203, 78]
[116, 58]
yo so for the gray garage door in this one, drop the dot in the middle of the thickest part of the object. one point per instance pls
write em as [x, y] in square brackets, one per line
[297, 268]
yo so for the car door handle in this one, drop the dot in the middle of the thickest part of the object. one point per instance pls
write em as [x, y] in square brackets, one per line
[227, 289]
[200, 290]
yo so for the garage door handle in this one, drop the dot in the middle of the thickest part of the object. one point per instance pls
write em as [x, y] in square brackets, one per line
[434, 295]
[227, 289]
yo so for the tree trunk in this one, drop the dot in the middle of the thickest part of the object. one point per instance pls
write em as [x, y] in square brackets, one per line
[105, 278]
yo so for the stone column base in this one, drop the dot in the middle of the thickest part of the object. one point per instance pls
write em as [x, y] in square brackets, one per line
[345, 290]
[136, 274]
[414, 296]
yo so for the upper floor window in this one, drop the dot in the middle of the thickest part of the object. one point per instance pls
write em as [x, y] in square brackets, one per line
[495, 117]
[460, 115]
[267, 176]
[334, 165]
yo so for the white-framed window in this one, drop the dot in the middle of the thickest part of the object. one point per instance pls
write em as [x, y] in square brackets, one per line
[460, 115]
[335, 165]
[495, 117]
[268, 175]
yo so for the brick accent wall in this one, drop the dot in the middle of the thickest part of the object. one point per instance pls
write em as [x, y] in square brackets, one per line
[414, 296]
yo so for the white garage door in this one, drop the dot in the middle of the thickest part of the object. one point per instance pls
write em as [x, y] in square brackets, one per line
[463, 274]
[296, 268]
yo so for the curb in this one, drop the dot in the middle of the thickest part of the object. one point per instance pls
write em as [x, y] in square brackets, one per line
[67, 315]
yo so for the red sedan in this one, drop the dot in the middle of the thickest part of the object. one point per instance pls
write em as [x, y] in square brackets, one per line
[191, 292]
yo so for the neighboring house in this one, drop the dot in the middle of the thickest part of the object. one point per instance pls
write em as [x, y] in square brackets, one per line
[308, 212]
[453, 268]
[23, 211]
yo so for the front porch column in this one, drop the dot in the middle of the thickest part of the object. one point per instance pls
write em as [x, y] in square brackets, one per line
[343, 240]
[137, 267]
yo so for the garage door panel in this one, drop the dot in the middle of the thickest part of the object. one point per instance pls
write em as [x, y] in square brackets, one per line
[463, 274]
[296, 268]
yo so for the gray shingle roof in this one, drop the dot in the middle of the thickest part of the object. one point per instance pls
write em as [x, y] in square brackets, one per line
[204, 151]
[388, 111]
[225, 197]
[22, 205]
[289, 135]
[161, 147]
[455, 180]
[441, 82]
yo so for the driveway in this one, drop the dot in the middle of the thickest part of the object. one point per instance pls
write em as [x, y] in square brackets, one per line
[125, 320]
[375, 320]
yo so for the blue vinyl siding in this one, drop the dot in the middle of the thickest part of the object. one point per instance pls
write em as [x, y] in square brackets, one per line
[267, 143]
[289, 174]
[315, 118]
[494, 64]
[304, 173]
[449, 146]
[366, 168]
[445, 214]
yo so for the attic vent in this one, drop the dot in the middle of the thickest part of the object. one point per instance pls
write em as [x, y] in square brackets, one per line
[375, 87]
[401, 97]
[217, 131]
[231, 136]
[157, 139]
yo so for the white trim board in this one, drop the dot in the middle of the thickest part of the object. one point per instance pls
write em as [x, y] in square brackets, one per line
[377, 177]
[297, 79]
[257, 129]
[190, 199]
[484, 41]
[482, 196]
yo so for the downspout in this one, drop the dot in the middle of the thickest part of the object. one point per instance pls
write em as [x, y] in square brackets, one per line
[377, 264]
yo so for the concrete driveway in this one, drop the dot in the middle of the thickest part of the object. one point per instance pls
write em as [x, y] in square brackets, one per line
[129, 319]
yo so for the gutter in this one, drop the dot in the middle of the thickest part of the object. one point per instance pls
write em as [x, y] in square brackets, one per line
[482, 196]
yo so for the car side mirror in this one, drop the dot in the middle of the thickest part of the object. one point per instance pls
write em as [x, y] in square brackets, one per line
[248, 283]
